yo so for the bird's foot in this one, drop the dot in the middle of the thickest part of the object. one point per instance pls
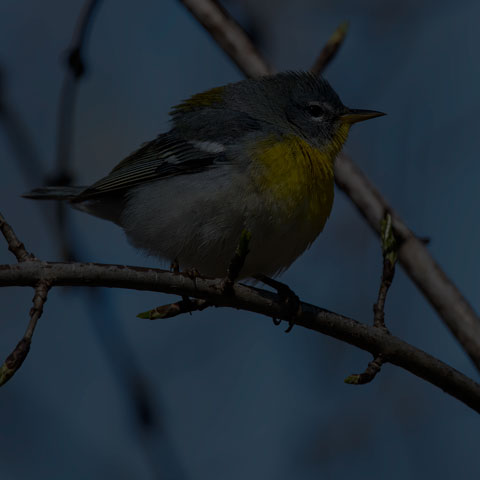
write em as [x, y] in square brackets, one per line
[287, 296]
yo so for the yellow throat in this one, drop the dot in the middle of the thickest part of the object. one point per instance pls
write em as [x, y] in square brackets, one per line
[297, 176]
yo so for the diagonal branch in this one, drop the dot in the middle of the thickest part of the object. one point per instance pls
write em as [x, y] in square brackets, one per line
[330, 50]
[440, 291]
[229, 35]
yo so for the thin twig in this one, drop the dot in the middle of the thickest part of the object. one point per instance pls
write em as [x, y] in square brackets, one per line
[447, 300]
[439, 290]
[15, 360]
[39, 299]
[229, 36]
[14, 244]
[379, 306]
[330, 50]
[188, 305]
[369, 374]
[389, 255]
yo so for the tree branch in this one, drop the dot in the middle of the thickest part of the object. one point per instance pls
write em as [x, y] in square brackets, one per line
[251, 299]
[440, 291]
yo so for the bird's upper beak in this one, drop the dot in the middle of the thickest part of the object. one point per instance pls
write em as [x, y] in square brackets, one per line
[353, 115]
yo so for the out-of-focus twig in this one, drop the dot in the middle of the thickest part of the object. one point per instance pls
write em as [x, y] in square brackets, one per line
[229, 35]
[330, 49]
[75, 71]
[116, 347]
[65, 119]
[440, 291]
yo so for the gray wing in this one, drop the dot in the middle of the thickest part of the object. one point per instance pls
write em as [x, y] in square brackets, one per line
[166, 156]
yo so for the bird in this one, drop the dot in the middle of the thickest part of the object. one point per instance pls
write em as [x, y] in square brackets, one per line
[253, 156]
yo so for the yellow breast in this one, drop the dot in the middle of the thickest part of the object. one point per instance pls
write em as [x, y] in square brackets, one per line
[298, 177]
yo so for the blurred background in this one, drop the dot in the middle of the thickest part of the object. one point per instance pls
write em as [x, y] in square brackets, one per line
[224, 394]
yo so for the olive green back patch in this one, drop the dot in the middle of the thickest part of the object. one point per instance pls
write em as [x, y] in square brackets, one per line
[209, 98]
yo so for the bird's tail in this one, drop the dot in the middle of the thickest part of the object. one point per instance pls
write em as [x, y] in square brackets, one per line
[54, 193]
[109, 208]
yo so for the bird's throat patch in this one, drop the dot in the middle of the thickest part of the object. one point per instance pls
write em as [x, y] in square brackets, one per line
[296, 175]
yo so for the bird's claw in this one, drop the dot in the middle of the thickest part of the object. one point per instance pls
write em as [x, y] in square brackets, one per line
[287, 296]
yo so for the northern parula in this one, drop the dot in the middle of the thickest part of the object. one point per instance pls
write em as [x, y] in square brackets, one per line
[256, 156]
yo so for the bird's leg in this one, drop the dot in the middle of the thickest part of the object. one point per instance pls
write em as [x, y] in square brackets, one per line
[175, 266]
[237, 262]
[288, 297]
[192, 273]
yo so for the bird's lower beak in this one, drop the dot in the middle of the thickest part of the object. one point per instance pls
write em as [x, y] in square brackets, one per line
[354, 115]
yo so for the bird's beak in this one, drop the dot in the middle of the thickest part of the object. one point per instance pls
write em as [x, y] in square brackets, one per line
[353, 115]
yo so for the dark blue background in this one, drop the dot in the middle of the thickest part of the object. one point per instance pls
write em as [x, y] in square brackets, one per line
[236, 397]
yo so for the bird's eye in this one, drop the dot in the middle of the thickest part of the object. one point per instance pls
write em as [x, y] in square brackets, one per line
[315, 110]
